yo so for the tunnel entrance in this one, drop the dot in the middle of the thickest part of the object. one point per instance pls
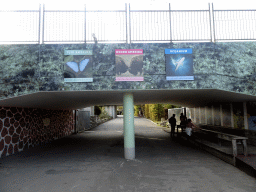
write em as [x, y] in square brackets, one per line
[43, 116]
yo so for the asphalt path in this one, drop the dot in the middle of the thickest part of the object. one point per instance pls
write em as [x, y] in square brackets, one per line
[94, 161]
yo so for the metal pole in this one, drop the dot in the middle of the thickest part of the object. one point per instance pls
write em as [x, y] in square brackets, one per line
[210, 18]
[129, 10]
[39, 25]
[170, 16]
[84, 23]
[213, 24]
[126, 19]
[129, 138]
[43, 24]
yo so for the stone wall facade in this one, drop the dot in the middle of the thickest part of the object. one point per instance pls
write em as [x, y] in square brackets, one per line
[31, 68]
[21, 128]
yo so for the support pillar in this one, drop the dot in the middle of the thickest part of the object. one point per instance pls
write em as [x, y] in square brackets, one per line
[205, 114]
[194, 115]
[245, 116]
[213, 123]
[221, 116]
[129, 133]
[200, 119]
[232, 115]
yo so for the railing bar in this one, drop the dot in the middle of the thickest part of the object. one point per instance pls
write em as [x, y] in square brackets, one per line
[168, 10]
[237, 10]
[19, 11]
[149, 10]
[105, 10]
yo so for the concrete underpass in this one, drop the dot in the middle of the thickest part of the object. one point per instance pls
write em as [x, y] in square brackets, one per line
[44, 81]
[94, 161]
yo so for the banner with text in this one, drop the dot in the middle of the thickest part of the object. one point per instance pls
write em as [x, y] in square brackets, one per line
[179, 64]
[78, 66]
[129, 64]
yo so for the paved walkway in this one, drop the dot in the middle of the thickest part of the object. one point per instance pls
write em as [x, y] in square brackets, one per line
[226, 148]
[93, 161]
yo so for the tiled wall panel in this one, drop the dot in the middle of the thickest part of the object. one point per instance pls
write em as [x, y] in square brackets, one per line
[21, 128]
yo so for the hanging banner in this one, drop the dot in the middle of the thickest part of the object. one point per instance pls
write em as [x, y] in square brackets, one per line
[78, 66]
[129, 64]
[179, 64]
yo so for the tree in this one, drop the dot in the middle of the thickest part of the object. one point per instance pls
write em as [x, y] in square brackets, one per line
[136, 110]
[157, 111]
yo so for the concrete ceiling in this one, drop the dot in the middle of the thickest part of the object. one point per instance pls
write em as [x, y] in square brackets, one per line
[81, 99]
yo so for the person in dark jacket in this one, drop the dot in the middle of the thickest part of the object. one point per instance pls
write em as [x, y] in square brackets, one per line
[172, 122]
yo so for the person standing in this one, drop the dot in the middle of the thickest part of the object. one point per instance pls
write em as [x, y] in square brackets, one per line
[172, 122]
[190, 127]
[183, 122]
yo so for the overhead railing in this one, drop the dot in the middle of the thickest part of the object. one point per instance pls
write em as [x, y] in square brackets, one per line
[126, 26]
[234, 24]
[20, 26]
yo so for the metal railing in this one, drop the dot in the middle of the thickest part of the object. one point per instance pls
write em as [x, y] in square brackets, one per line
[127, 26]
[234, 24]
[20, 26]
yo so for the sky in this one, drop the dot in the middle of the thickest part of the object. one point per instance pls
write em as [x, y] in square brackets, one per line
[119, 4]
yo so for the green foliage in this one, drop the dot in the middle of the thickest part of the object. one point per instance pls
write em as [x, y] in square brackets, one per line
[104, 114]
[170, 106]
[147, 111]
[136, 110]
[154, 111]
[157, 112]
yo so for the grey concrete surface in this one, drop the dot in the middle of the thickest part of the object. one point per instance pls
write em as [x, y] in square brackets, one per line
[94, 161]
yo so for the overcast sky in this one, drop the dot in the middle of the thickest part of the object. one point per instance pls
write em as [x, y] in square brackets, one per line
[119, 4]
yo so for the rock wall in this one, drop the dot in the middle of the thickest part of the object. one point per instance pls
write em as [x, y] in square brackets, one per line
[21, 128]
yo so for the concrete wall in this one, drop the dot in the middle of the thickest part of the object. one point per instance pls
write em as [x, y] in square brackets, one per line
[31, 68]
[229, 115]
[21, 128]
[90, 109]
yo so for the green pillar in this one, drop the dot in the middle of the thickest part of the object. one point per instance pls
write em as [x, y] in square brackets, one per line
[129, 135]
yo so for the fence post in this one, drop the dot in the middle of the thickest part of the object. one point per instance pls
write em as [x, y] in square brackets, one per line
[129, 11]
[210, 18]
[170, 16]
[39, 24]
[126, 23]
[213, 24]
[43, 24]
[84, 23]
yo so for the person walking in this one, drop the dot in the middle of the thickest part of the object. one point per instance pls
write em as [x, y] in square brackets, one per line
[172, 122]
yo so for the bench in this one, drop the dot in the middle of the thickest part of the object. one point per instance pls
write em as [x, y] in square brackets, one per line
[229, 137]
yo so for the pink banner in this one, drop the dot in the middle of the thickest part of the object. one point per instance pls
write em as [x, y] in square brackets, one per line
[129, 51]
[129, 78]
